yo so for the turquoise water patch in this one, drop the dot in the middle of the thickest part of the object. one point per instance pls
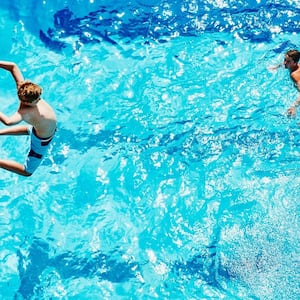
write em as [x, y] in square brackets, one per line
[173, 173]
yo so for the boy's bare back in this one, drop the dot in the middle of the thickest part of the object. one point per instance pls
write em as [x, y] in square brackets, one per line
[41, 116]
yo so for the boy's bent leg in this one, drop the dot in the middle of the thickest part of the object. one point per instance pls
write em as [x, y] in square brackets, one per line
[14, 167]
[15, 130]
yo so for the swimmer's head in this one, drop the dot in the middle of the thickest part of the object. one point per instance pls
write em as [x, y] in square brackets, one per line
[294, 55]
[29, 92]
[291, 60]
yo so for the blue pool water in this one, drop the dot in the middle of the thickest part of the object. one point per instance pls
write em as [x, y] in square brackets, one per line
[174, 173]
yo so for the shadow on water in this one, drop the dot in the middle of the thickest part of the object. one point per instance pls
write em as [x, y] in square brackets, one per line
[68, 265]
[110, 267]
[160, 22]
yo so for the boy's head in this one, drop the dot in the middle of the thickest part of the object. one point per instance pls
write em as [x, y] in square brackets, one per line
[29, 92]
[291, 60]
[294, 55]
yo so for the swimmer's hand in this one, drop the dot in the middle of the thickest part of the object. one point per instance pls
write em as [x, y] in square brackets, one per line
[291, 111]
[274, 68]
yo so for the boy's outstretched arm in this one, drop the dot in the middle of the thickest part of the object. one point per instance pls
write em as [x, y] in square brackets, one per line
[14, 69]
[12, 120]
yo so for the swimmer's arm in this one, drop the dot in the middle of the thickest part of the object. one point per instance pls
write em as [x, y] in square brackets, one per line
[297, 101]
[296, 82]
[13, 69]
[12, 120]
[274, 68]
[292, 110]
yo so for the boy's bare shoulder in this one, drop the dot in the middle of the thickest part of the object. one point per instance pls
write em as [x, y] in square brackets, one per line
[45, 109]
[39, 114]
[296, 75]
[25, 109]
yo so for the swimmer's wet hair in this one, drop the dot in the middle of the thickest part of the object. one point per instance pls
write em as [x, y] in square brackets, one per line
[294, 55]
[29, 91]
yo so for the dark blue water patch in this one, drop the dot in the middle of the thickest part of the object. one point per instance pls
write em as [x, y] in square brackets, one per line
[52, 44]
[201, 266]
[110, 267]
[249, 20]
[31, 267]
[284, 46]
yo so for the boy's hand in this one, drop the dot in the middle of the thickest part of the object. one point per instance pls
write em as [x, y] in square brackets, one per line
[274, 68]
[292, 111]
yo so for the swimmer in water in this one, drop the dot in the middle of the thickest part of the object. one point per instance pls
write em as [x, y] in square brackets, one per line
[291, 62]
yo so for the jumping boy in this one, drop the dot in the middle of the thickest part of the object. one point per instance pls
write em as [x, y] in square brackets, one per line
[34, 111]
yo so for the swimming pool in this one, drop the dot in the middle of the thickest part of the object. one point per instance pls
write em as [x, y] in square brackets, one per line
[174, 171]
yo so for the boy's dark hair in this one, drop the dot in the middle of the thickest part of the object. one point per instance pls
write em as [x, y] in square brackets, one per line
[294, 55]
[29, 92]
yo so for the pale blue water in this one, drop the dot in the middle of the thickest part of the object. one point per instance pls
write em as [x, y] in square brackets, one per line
[174, 173]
